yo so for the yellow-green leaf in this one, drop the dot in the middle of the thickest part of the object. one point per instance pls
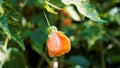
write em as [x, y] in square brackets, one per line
[49, 9]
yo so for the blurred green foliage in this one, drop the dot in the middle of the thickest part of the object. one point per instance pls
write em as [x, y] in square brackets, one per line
[93, 27]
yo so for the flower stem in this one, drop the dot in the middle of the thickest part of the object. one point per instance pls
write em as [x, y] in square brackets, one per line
[46, 18]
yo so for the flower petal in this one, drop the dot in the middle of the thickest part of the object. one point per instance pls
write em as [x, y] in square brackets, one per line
[54, 43]
[65, 42]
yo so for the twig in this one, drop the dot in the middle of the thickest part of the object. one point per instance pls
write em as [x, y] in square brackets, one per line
[6, 42]
[113, 39]
[61, 62]
[102, 54]
[44, 57]
[40, 62]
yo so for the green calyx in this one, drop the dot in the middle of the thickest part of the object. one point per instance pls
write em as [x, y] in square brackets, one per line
[51, 29]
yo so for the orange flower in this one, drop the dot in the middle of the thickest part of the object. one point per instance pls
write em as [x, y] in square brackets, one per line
[58, 43]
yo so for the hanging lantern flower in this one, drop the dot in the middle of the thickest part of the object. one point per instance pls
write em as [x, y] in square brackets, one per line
[58, 43]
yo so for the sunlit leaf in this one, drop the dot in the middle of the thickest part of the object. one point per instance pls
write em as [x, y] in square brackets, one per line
[14, 59]
[72, 13]
[67, 2]
[89, 11]
[3, 55]
[85, 8]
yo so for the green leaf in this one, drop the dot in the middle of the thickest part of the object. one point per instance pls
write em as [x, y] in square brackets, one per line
[85, 8]
[4, 25]
[16, 33]
[39, 39]
[14, 59]
[117, 18]
[38, 48]
[114, 58]
[30, 3]
[40, 3]
[1, 11]
[94, 32]
[1, 2]
[80, 60]
[39, 36]
[56, 3]
[89, 11]
[12, 30]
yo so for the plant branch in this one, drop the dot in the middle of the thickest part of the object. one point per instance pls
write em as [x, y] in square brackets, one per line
[44, 57]
[113, 39]
[6, 42]
[102, 54]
